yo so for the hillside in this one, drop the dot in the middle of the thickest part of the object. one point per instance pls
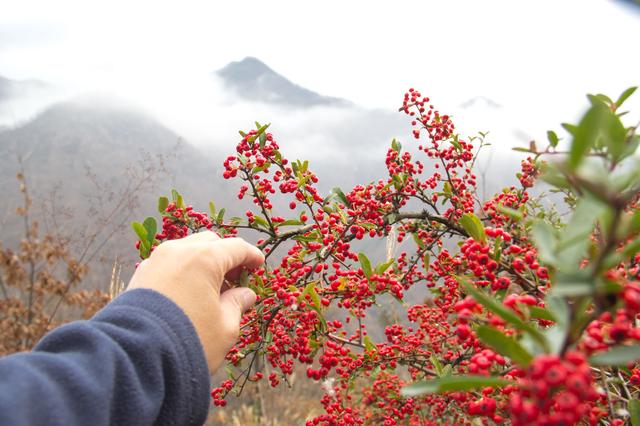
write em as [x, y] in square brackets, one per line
[82, 157]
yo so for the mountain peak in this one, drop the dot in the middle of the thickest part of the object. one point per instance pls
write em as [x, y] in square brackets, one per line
[253, 80]
[246, 69]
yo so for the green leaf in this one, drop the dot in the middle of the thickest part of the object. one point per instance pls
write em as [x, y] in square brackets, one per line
[504, 345]
[366, 265]
[502, 311]
[624, 96]
[437, 365]
[261, 129]
[263, 139]
[310, 289]
[453, 383]
[212, 209]
[578, 283]
[541, 313]
[396, 146]
[368, 345]
[417, 240]
[598, 127]
[220, 217]
[599, 99]
[574, 238]
[151, 227]
[571, 128]
[140, 231]
[544, 238]
[341, 196]
[381, 268]
[508, 211]
[617, 356]
[520, 149]
[553, 138]
[474, 227]
[306, 238]
[244, 278]
[163, 203]
[291, 222]
[586, 133]
[633, 407]
[558, 307]
[260, 221]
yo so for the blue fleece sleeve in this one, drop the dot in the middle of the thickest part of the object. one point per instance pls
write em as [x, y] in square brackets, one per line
[136, 362]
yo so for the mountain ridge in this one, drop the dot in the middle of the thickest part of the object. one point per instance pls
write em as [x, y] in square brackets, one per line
[253, 80]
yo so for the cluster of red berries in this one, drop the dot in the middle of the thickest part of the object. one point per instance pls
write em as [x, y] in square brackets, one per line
[555, 391]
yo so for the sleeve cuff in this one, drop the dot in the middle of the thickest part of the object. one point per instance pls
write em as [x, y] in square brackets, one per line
[194, 372]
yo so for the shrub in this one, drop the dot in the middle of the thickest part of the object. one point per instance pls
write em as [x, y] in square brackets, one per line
[531, 313]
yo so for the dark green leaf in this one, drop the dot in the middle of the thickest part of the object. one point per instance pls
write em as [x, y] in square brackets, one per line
[504, 345]
[617, 356]
[341, 196]
[453, 383]
[553, 138]
[220, 217]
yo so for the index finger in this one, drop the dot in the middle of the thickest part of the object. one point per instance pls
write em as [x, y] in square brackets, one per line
[236, 253]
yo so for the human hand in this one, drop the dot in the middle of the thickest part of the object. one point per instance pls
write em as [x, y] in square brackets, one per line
[191, 272]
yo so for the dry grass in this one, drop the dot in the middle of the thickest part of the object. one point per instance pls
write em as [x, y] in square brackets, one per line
[262, 405]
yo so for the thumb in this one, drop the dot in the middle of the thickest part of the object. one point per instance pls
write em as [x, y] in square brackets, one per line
[236, 301]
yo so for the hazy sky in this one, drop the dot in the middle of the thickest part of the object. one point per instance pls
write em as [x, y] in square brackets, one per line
[536, 58]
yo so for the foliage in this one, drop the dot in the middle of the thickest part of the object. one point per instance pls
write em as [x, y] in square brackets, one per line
[38, 281]
[532, 318]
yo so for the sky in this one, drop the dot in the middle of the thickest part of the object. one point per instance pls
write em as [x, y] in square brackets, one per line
[536, 60]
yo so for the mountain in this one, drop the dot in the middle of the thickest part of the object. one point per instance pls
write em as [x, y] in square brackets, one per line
[91, 161]
[252, 80]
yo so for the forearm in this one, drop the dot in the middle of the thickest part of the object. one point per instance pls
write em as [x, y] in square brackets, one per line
[138, 361]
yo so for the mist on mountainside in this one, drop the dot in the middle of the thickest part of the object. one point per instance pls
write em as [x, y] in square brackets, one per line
[79, 155]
